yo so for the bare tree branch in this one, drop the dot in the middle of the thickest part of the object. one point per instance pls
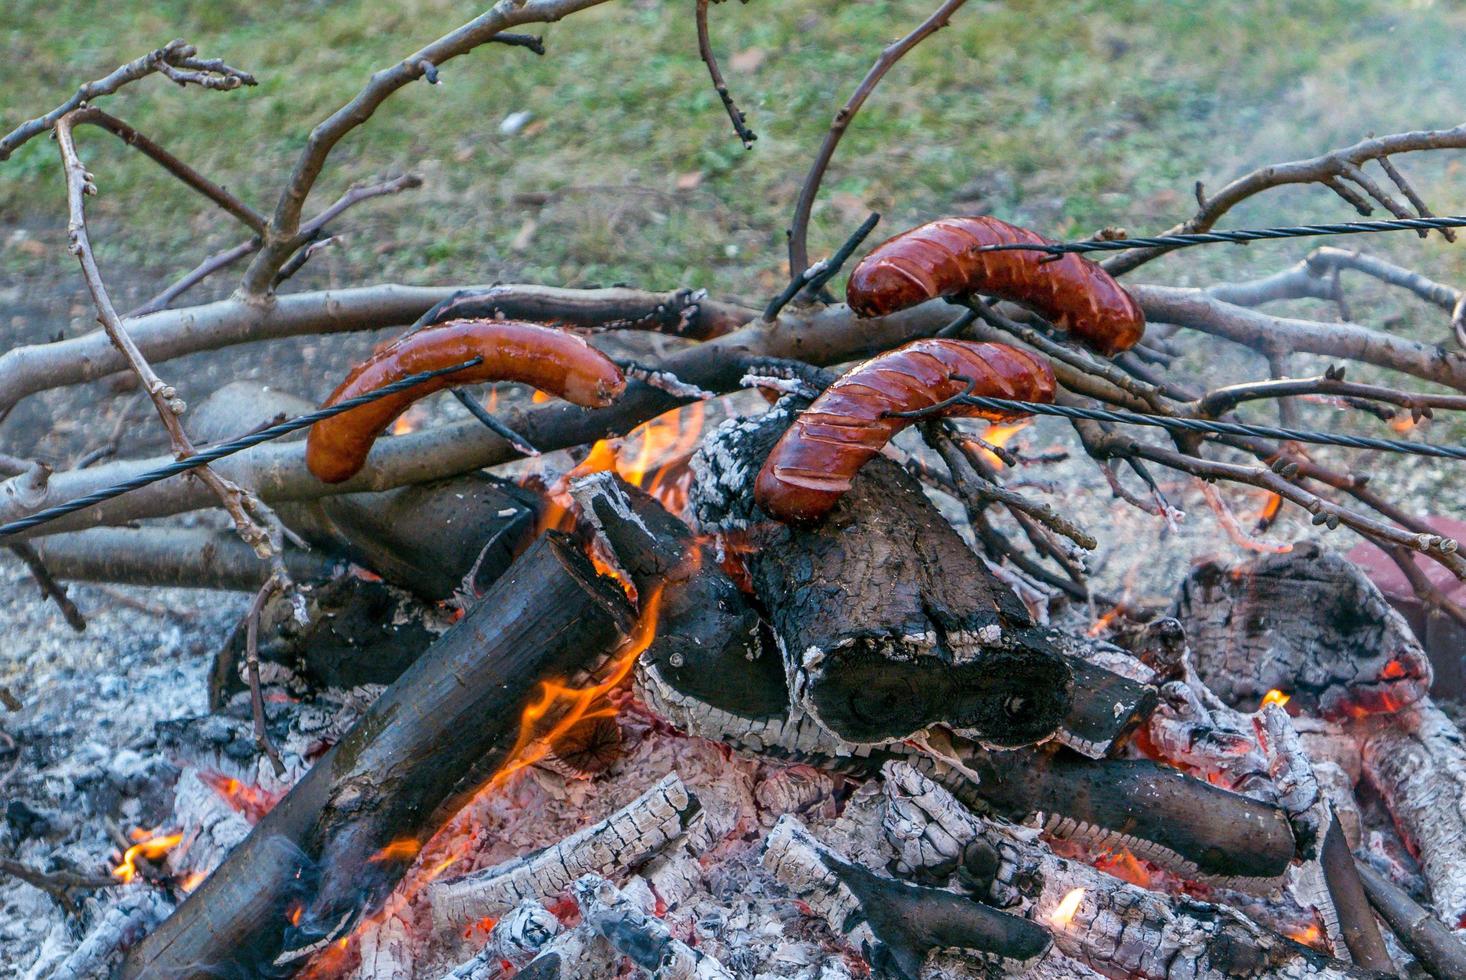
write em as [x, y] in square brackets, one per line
[705, 49]
[221, 196]
[1324, 169]
[1195, 309]
[284, 234]
[799, 229]
[175, 59]
[50, 588]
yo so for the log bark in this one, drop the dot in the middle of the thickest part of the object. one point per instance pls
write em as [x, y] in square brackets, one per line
[896, 925]
[886, 620]
[1308, 623]
[171, 557]
[1361, 933]
[413, 759]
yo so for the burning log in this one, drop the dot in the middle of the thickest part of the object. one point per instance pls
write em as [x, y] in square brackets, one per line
[663, 816]
[1308, 623]
[895, 924]
[644, 940]
[1435, 947]
[1107, 700]
[423, 538]
[172, 557]
[432, 740]
[1115, 928]
[887, 621]
[1417, 761]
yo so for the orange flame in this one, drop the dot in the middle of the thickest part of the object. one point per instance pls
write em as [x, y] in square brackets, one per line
[402, 849]
[1125, 866]
[1063, 914]
[1269, 512]
[1103, 622]
[1274, 696]
[1308, 937]
[1000, 434]
[149, 846]
[251, 801]
[194, 879]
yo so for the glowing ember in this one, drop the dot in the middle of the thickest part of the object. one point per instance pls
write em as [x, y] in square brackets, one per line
[1394, 670]
[1274, 696]
[1125, 866]
[1312, 936]
[194, 879]
[1269, 512]
[251, 801]
[1103, 622]
[1064, 913]
[149, 846]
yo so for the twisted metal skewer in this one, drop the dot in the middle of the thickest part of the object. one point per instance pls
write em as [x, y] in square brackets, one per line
[1203, 426]
[1240, 236]
[225, 449]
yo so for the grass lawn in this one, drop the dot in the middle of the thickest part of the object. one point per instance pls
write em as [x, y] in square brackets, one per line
[1067, 116]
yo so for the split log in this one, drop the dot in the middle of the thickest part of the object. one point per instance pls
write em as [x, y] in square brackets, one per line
[665, 814]
[641, 938]
[413, 759]
[887, 622]
[424, 538]
[895, 925]
[1308, 623]
[1433, 945]
[356, 632]
[171, 557]
[1416, 759]
[1115, 928]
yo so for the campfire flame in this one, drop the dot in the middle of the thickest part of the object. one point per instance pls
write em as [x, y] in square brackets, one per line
[150, 846]
[1308, 937]
[1063, 914]
[1123, 865]
[251, 801]
[1000, 434]
[1276, 697]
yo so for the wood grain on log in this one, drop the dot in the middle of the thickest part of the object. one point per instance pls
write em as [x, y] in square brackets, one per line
[666, 813]
[431, 741]
[887, 622]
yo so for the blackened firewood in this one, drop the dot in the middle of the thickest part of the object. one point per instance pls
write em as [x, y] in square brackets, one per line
[1356, 922]
[1308, 623]
[896, 924]
[1106, 703]
[887, 621]
[422, 538]
[1432, 944]
[412, 760]
[356, 632]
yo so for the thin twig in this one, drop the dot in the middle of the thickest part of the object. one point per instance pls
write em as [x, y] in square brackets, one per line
[217, 262]
[60, 885]
[813, 279]
[50, 588]
[705, 48]
[217, 76]
[799, 228]
[252, 665]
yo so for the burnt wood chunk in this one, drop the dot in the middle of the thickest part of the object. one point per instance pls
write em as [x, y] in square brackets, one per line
[413, 759]
[1308, 623]
[356, 632]
[423, 538]
[887, 622]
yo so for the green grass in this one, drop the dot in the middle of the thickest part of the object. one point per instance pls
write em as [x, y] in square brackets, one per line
[1068, 116]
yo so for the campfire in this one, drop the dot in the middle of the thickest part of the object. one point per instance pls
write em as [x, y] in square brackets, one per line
[603, 632]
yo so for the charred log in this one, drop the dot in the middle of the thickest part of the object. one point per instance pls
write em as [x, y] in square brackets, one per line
[411, 761]
[887, 621]
[643, 939]
[424, 538]
[896, 925]
[356, 632]
[1308, 623]
[1433, 945]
